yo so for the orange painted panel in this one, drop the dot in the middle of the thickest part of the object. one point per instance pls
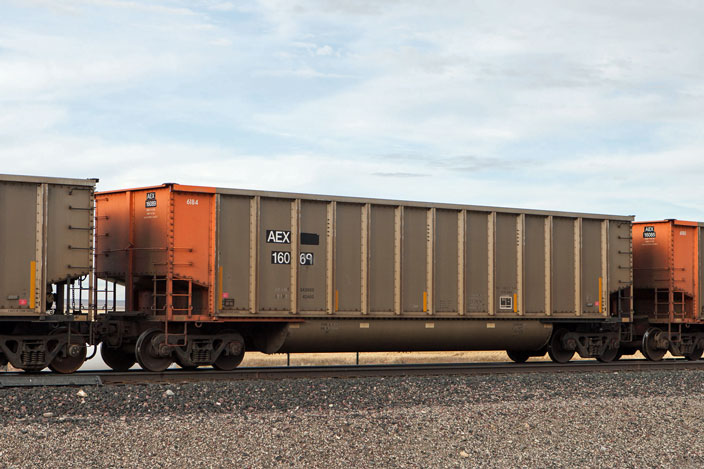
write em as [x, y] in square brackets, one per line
[665, 251]
[112, 228]
[666, 259]
[131, 231]
[137, 231]
[685, 258]
[150, 222]
[193, 225]
[651, 254]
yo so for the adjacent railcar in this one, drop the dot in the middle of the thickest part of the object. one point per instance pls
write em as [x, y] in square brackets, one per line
[46, 248]
[213, 272]
[668, 271]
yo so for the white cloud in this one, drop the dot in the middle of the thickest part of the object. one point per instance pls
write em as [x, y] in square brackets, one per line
[324, 50]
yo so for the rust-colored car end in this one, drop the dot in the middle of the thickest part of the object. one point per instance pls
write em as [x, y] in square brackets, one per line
[159, 242]
[667, 270]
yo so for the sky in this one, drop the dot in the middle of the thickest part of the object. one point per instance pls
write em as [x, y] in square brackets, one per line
[562, 105]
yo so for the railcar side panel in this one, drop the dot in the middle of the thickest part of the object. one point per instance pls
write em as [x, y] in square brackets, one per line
[234, 253]
[112, 234]
[150, 232]
[46, 239]
[275, 255]
[620, 267]
[591, 274]
[479, 262]
[19, 229]
[312, 257]
[69, 239]
[563, 266]
[414, 278]
[383, 228]
[535, 265]
[351, 264]
[506, 261]
[448, 265]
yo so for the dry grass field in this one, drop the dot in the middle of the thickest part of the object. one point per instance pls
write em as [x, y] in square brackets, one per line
[371, 358]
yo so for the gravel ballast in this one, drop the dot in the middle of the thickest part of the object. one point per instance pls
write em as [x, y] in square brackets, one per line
[627, 419]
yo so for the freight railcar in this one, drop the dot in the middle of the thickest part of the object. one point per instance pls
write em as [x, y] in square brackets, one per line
[46, 249]
[668, 269]
[209, 273]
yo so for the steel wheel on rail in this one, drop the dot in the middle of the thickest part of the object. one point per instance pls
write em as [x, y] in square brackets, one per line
[232, 354]
[116, 358]
[610, 354]
[72, 357]
[518, 357]
[695, 354]
[148, 352]
[557, 351]
[651, 348]
[183, 366]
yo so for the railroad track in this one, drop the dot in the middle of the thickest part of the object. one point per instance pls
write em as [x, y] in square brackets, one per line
[86, 378]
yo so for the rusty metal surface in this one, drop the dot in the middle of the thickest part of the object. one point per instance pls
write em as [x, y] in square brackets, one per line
[667, 270]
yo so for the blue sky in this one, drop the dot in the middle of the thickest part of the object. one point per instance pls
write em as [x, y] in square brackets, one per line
[567, 105]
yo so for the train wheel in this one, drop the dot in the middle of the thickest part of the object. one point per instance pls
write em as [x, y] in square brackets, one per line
[148, 355]
[650, 345]
[518, 357]
[116, 358]
[609, 355]
[180, 363]
[558, 353]
[74, 357]
[695, 354]
[232, 355]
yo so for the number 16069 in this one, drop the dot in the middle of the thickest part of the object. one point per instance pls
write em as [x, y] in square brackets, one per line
[284, 257]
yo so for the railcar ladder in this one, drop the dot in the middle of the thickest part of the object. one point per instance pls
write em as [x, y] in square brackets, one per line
[625, 314]
[168, 307]
[669, 304]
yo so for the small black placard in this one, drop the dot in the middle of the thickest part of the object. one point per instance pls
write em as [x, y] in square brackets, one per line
[310, 238]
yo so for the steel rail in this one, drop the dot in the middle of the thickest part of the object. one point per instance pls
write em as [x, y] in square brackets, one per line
[86, 378]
